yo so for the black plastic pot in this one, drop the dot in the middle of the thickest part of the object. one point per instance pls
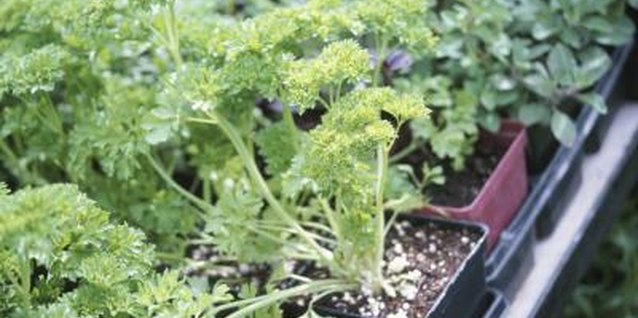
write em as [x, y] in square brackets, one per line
[511, 259]
[467, 287]
[492, 305]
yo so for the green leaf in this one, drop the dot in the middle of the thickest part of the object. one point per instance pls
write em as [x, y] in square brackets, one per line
[599, 24]
[502, 46]
[594, 63]
[488, 99]
[563, 128]
[544, 29]
[621, 33]
[232, 224]
[562, 64]
[278, 146]
[530, 114]
[540, 85]
[339, 63]
[596, 101]
[502, 82]
[398, 181]
[160, 125]
[572, 38]
[60, 230]
[37, 71]
[491, 122]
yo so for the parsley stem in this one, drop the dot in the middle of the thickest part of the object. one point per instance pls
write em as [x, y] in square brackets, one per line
[171, 256]
[324, 103]
[292, 127]
[380, 44]
[162, 172]
[172, 33]
[391, 220]
[206, 189]
[256, 303]
[382, 173]
[293, 231]
[249, 163]
[25, 280]
[404, 152]
[332, 218]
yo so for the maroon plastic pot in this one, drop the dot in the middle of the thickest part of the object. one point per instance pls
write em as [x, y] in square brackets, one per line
[506, 188]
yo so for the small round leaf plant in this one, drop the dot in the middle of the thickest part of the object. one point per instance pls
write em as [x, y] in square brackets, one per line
[316, 196]
[528, 60]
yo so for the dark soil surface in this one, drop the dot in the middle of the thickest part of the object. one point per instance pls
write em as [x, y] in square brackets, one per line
[228, 272]
[419, 264]
[462, 187]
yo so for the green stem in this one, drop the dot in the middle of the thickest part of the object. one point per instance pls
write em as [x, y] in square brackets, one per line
[269, 236]
[382, 174]
[168, 179]
[332, 218]
[207, 191]
[170, 256]
[380, 44]
[310, 224]
[172, 33]
[317, 226]
[23, 282]
[48, 114]
[337, 92]
[404, 152]
[249, 163]
[312, 212]
[292, 127]
[200, 120]
[287, 229]
[11, 156]
[324, 103]
[24, 176]
[391, 220]
[254, 304]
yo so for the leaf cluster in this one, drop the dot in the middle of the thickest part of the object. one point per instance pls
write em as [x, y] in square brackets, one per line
[77, 84]
[61, 257]
[526, 59]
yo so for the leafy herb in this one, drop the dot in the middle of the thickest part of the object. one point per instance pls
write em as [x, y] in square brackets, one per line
[61, 257]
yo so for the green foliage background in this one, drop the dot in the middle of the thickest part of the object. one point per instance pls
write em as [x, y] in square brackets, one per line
[610, 286]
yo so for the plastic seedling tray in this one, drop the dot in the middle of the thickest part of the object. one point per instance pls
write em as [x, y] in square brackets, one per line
[608, 178]
[557, 177]
[512, 258]
[467, 286]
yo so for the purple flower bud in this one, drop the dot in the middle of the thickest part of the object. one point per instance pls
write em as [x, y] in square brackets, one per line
[398, 61]
[275, 106]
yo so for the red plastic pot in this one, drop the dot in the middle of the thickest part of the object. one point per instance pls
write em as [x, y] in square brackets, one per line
[504, 192]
